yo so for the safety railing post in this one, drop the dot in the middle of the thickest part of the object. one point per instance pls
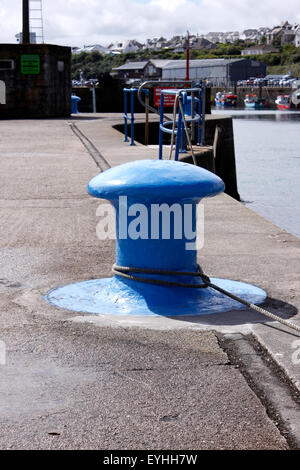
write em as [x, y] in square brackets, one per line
[200, 116]
[187, 113]
[132, 114]
[182, 131]
[192, 115]
[203, 102]
[161, 121]
[147, 117]
[125, 116]
[178, 136]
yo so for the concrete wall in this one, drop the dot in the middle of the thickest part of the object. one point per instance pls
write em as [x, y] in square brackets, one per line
[36, 91]
[225, 166]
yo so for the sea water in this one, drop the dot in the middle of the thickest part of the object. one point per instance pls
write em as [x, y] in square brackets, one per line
[267, 152]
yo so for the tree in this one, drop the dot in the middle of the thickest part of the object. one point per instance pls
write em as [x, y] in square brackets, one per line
[263, 39]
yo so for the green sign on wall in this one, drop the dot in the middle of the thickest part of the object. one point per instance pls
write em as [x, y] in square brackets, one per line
[30, 64]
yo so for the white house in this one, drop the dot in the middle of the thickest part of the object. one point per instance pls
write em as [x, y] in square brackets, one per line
[214, 37]
[297, 36]
[259, 50]
[125, 46]
[232, 36]
[92, 48]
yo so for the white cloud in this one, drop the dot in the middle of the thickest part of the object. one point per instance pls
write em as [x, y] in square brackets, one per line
[74, 22]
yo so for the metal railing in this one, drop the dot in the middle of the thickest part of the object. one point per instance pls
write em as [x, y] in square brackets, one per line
[188, 120]
[191, 110]
[130, 118]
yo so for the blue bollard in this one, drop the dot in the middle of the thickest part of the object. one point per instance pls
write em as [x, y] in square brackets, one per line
[150, 182]
[151, 198]
[74, 101]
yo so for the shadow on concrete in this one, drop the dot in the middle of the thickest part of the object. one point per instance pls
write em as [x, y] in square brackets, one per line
[59, 118]
[85, 118]
[244, 316]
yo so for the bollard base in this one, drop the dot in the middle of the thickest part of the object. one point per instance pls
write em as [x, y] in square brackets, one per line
[118, 296]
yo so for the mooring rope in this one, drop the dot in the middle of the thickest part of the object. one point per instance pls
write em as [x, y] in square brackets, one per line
[124, 271]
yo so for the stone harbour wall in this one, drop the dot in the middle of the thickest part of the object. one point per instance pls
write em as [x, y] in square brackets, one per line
[35, 81]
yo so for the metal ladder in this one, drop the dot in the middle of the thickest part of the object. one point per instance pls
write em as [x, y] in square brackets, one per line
[36, 20]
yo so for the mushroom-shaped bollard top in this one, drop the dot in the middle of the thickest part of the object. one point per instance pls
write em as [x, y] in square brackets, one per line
[156, 180]
[155, 202]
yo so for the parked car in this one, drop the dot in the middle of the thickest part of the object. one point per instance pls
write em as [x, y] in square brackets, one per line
[296, 83]
[286, 81]
[273, 82]
[91, 82]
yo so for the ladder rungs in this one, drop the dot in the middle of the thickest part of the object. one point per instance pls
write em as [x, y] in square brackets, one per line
[36, 19]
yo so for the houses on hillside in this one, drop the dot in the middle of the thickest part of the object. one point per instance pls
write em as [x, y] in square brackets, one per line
[285, 33]
[115, 48]
[125, 46]
[90, 48]
[254, 35]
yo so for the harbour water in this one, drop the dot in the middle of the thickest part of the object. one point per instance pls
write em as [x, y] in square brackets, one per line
[267, 149]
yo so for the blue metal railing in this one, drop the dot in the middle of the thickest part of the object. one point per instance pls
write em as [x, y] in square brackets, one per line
[130, 91]
[191, 109]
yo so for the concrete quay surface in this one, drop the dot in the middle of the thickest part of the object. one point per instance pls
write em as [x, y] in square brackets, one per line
[79, 381]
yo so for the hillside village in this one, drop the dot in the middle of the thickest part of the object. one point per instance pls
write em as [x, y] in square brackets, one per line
[285, 33]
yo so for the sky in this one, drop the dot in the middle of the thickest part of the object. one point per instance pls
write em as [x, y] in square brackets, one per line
[79, 22]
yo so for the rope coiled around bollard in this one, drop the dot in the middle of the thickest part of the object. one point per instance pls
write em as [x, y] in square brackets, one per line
[124, 271]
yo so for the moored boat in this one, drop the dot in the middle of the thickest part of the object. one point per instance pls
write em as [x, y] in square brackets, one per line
[225, 99]
[283, 102]
[230, 99]
[252, 101]
[219, 98]
[288, 101]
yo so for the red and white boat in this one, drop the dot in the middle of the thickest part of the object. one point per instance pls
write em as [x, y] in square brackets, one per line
[283, 102]
[288, 101]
